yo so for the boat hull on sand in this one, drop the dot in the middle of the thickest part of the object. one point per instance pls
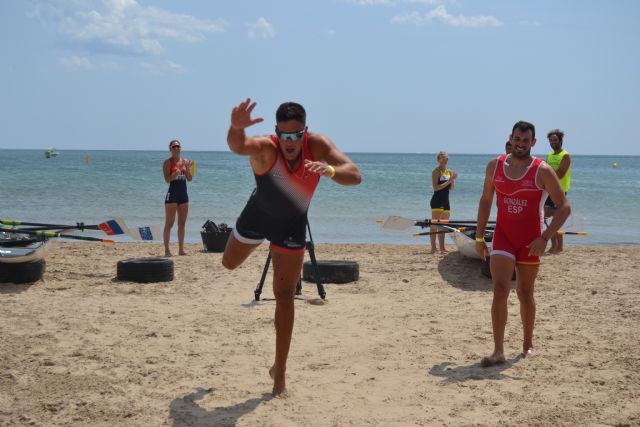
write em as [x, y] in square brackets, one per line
[17, 250]
[465, 241]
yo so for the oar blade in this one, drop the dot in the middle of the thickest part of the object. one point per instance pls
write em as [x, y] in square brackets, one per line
[398, 223]
[114, 227]
[573, 223]
[148, 233]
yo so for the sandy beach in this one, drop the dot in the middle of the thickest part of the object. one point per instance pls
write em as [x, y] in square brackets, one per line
[399, 347]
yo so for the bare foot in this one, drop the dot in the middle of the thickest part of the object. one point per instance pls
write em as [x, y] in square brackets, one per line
[167, 254]
[494, 359]
[443, 251]
[433, 250]
[530, 352]
[182, 253]
[279, 389]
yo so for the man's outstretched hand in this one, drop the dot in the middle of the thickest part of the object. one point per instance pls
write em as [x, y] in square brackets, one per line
[241, 115]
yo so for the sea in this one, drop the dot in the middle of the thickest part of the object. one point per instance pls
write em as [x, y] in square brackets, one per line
[93, 186]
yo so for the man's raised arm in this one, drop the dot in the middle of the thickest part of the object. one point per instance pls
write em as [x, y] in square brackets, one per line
[240, 120]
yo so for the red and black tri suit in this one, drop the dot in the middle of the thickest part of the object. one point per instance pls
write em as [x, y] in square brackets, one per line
[277, 208]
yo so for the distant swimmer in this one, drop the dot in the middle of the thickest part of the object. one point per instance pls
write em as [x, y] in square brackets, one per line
[521, 183]
[177, 171]
[442, 181]
[560, 161]
[287, 167]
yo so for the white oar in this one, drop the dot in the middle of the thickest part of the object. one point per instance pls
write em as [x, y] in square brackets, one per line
[47, 234]
[118, 226]
[398, 223]
[448, 230]
[145, 233]
[112, 227]
[572, 225]
[401, 223]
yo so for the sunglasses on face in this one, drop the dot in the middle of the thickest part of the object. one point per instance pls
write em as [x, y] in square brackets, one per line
[290, 136]
[173, 147]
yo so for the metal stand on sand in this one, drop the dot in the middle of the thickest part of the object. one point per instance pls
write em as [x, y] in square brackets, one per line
[312, 255]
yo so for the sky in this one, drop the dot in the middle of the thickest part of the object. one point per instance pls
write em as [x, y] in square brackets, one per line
[406, 76]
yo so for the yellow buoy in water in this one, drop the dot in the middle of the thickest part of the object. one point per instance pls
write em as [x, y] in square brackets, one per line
[614, 165]
[87, 159]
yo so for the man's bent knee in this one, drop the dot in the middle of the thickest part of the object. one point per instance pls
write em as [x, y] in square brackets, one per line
[228, 263]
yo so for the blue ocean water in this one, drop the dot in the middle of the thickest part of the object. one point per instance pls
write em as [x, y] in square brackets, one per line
[91, 186]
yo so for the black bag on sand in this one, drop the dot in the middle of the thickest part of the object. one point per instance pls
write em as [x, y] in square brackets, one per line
[214, 236]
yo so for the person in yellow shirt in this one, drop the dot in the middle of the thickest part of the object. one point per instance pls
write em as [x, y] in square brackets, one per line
[560, 161]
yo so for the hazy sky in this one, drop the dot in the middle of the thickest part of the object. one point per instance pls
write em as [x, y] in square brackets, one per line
[374, 75]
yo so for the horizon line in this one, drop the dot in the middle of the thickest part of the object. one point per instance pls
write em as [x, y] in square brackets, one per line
[348, 152]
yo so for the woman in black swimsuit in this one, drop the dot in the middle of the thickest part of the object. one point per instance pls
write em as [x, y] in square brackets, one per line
[177, 171]
[442, 180]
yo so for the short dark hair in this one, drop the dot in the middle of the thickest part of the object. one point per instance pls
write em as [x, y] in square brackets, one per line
[524, 126]
[291, 111]
[556, 132]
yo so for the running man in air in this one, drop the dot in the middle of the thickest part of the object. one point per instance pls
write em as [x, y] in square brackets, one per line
[521, 183]
[287, 168]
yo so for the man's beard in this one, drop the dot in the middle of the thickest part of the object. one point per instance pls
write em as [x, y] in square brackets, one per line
[521, 154]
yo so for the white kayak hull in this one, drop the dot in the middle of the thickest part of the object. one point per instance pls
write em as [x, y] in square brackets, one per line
[466, 244]
[13, 252]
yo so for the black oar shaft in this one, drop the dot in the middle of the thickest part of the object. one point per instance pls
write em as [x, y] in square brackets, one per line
[451, 230]
[43, 226]
[429, 222]
[459, 225]
[62, 227]
[47, 234]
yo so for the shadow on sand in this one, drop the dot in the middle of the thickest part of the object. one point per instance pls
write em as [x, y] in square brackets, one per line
[473, 372]
[463, 273]
[184, 411]
[13, 288]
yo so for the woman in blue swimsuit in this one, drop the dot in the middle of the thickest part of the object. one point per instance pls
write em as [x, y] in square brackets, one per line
[177, 171]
